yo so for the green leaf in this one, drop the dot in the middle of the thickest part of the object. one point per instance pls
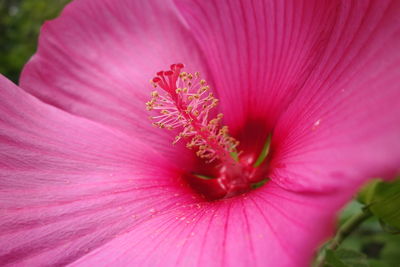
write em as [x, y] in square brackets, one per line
[388, 228]
[366, 194]
[264, 152]
[332, 260]
[352, 258]
[385, 203]
[345, 258]
[350, 209]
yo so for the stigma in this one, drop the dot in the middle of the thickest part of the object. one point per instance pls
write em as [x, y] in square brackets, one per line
[184, 102]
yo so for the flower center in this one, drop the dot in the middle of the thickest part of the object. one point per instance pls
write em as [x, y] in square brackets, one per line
[185, 103]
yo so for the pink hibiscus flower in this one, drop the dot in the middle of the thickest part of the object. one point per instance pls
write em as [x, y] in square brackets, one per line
[86, 180]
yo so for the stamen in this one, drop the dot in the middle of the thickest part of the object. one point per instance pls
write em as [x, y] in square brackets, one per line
[185, 102]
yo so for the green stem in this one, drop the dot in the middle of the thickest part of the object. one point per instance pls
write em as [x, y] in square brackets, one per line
[344, 231]
[348, 227]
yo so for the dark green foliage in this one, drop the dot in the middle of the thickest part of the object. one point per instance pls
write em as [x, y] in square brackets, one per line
[385, 204]
[345, 258]
[20, 22]
[381, 248]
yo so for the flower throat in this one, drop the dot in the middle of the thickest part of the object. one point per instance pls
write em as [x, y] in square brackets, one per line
[184, 103]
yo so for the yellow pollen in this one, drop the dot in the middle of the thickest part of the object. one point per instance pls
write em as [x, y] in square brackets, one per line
[184, 104]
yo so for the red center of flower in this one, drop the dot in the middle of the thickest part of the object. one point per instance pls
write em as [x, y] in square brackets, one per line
[185, 104]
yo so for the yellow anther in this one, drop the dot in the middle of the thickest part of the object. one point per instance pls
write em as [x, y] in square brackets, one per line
[202, 89]
[149, 105]
[190, 111]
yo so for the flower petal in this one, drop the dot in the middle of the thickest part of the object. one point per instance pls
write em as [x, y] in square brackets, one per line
[332, 65]
[68, 185]
[269, 227]
[97, 58]
[260, 52]
[75, 192]
[344, 126]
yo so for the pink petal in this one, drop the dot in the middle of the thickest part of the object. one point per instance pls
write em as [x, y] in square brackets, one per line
[344, 126]
[327, 76]
[73, 191]
[68, 185]
[97, 58]
[260, 52]
[323, 75]
[271, 227]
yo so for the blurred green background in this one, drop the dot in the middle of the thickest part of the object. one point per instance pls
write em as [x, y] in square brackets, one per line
[20, 22]
[374, 246]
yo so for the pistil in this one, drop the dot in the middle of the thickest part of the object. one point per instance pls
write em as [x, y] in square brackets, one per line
[185, 103]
